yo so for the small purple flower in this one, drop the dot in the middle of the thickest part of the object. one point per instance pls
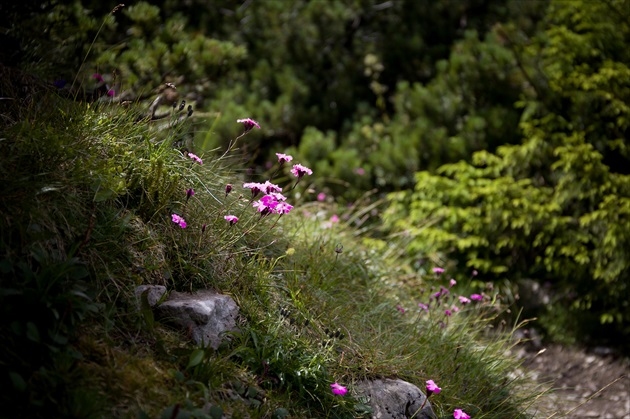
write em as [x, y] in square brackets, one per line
[283, 208]
[284, 158]
[255, 187]
[460, 414]
[111, 93]
[476, 297]
[338, 389]
[455, 309]
[179, 220]
[189, 192]
[299, 171]
[432, 388]
[448, 312]
[203, 228]
[437, 295]
[400, 308]
[438, 270]
[321, 196]
[195, 158]
[228, 189]
[359, 171]
[463, 300]
[232, 219]
[452, 283]
[271, 187]
[248, 123]
[98, 78]
[475, 273]
[423, 306]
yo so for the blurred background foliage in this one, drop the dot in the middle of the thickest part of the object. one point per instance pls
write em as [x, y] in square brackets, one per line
[496, 130]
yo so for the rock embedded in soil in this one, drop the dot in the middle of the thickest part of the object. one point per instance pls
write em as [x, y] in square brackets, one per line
[394, 399]
[205, 315]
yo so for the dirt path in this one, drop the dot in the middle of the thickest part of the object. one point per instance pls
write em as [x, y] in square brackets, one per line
[586, 384]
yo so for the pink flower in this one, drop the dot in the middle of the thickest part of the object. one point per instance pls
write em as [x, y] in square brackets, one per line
[400, 308]
[228, 189]
[476, 297]
[271, 187]
[283, 208]
[338, 389]
[111, 93]
[455, 309]
[195, 158]
[255, 187]
[359, 171]
[179, 220]
[460, 414]
[284, 158]
[475, 273]
[432, 388]
[249, 123]
[232, 219]
[334, 218]
[299, 171]
[98, 77]
[189, 192]
[448, 312]
[463, 300]
[438, 270]
[423, 306]
[452, 283]
[321, 196]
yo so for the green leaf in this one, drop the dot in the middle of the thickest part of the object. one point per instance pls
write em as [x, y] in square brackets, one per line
[195, 358]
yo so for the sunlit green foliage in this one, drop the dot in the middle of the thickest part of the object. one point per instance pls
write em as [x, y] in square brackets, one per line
[555, 207]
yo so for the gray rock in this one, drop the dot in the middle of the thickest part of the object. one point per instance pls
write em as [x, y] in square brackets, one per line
[394, 399]
[154, 293]
[206, 315]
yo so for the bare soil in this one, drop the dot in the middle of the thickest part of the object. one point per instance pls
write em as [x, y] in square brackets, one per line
[584, 383]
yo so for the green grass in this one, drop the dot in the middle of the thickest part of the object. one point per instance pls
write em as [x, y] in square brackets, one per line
[87, 198]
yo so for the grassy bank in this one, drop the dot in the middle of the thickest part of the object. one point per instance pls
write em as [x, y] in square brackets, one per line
[88, 197]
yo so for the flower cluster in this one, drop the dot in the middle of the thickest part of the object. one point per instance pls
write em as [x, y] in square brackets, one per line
[273, 202]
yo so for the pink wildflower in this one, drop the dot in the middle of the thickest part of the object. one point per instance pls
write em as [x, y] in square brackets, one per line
[423, 306]
[321, 196]
[271, 187]
[400, 308]
[455, 309]
[476, 297]
[448, 312]
[189, 192]
[299, 171]
[359, 171]
[195, 158]
[255, 187]
[248, 123]
[460, 414]
[283, 208]
[111, 93]
[228, 189]
[179, 220]
[463, 300]
[475, 273]
[334, 218]
[98, 77]
[232, 219]
[438, 270]
[338, 389]
[452, 282]
[284, 158]
[432, 388]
